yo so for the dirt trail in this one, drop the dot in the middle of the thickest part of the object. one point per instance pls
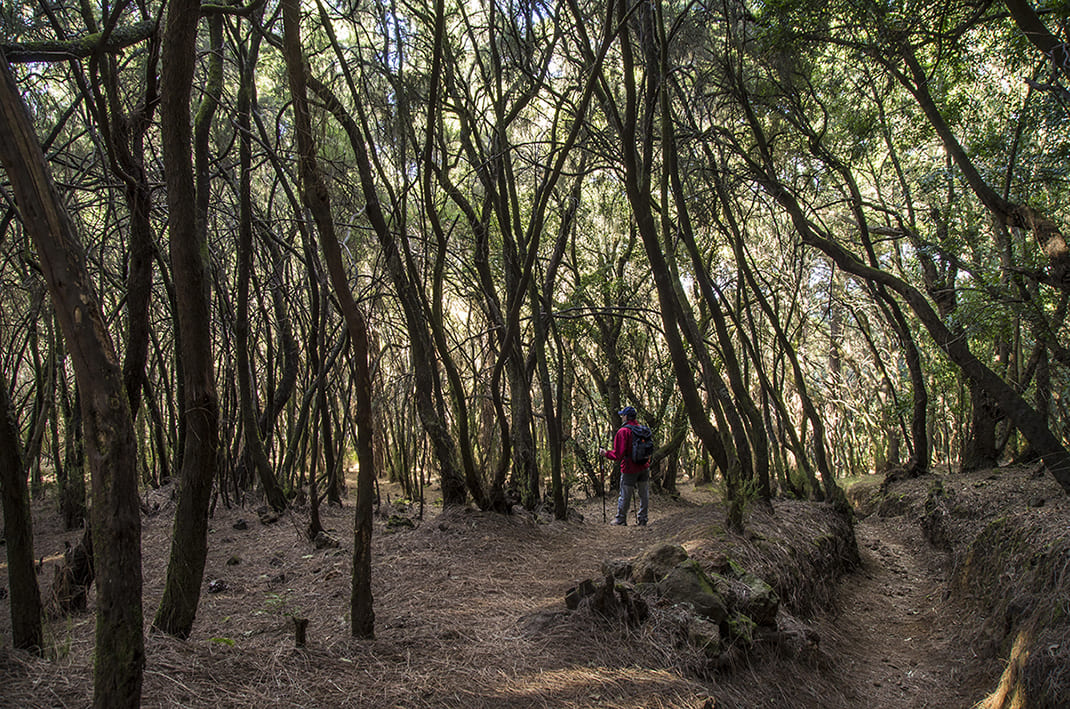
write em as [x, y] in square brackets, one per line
[894, 632]
[470, 612]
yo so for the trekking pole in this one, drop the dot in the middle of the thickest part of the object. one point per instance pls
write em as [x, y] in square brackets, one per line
[602, 466]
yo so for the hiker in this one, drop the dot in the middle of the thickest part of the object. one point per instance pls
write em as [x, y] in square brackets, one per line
[632, 446]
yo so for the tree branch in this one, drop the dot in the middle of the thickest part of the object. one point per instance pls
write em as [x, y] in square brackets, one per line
[62, 50]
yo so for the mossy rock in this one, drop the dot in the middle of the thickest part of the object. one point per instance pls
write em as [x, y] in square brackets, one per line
[655, 563]
[688, 583]
[704, 635]
[749, 594]
[741, 628]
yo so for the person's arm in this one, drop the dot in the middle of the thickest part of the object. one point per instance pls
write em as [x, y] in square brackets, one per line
[620, 445]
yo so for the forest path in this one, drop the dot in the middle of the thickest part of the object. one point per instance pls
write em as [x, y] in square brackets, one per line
[894, 633]
[470, 613]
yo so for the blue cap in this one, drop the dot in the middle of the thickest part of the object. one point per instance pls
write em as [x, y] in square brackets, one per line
[627, 411]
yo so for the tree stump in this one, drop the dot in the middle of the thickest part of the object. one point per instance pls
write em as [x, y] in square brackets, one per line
[72, 579]
[300, 628]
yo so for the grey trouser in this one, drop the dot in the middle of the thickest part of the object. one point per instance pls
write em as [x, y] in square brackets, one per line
[628, 485]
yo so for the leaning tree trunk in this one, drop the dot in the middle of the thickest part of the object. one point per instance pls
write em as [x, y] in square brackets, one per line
[109, 431]
[317, 199]
[1033, 426]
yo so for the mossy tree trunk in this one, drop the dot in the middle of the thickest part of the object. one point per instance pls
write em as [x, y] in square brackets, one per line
[200, 405]
[111, 447]
[317, 199]
[18, 534]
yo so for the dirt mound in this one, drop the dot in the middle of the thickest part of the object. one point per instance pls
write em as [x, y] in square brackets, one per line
[1005, 574]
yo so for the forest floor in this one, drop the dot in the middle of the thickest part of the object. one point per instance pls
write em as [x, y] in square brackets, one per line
[470, 612]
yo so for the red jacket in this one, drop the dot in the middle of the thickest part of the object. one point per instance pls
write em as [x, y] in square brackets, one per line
[622, 448]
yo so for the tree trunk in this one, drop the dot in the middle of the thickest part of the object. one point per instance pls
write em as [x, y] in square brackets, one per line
[317, 199]
[1033, 426]
[254, 445]
[18, 534]
[109, 431]
[200, 404]
[980, 446]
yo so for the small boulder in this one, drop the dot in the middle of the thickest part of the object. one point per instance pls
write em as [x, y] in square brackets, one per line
[267, 515]
[609, 600]
[397, 521]
[688, 583]
[741, 629]
[749, 594]
[617, 568]
[577, 593]
[704, 635]
[655, 563]
[323, 540]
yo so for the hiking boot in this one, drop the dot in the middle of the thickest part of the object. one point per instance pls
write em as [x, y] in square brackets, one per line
[619, 523]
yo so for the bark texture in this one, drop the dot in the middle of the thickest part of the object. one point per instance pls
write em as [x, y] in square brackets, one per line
[110, 445]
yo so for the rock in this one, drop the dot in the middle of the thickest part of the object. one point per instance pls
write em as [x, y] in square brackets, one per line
[577, 593]
[266, 515]
[604, 600]
[610, 600]
[704, 635]
[688, 583]
[241, 525]
[795, 638]
[217, 586]
[233, 561]
[399, 522]
[741, 629]
[617, 568]
[323, 540]
[749, 594]
[655, 563]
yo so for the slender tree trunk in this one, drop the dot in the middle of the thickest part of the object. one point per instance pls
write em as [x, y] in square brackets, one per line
[318, 201]
[18, 534]
[290, 358]
[980, 446]
[200, 403]
[254, 445]
[72, 489]
[110, 442]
